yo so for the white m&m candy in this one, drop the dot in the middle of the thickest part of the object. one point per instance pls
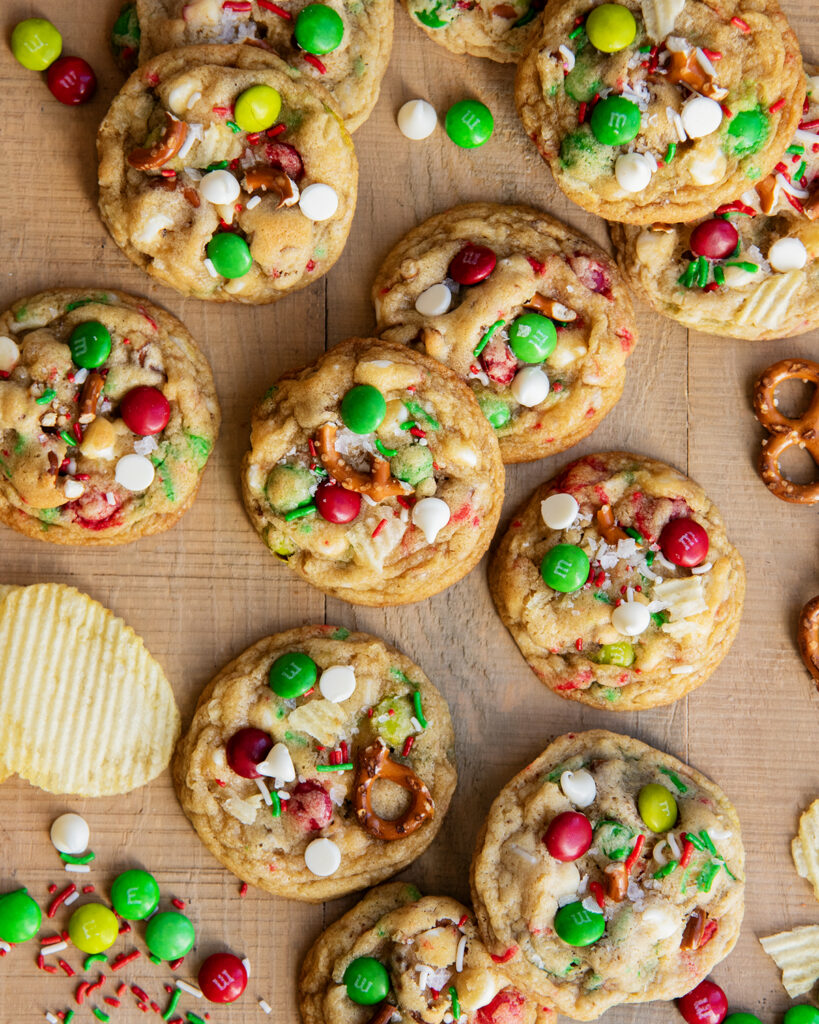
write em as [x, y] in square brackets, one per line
[787, 254]
[70, 834]
[337, 683]
[631, 618]
[434, 301]
[219, 187]
[134, 472]
[322, 857]
[530, 386]
[430, 515]
[700, 116]
[633, 172]
[417, 120]
[318, 202]
[559, 511]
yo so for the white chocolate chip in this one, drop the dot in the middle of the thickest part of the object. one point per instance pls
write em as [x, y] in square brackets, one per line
[278, 765]
[631, 618]
[633, 172]
[318, 202]
[430, 515]
[417, 120]
[219, 187]
[701, 116]
[179, 98]
[559, 511]
[707, 168]
[736, 277]
[150, 231]
[434, 301]
[579, 787]
[74, 489]
[337, 683]
[530, 386]
[787, 254]
[134, 472]
[9, 354]
[322, 857]
[70, 834]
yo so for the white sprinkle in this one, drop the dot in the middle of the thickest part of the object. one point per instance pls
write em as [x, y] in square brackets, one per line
[72, 898]
[423, 975]
[568, 57]
[78, 869]
[246, 965]
[459, 956]
[81, 376]
[718, 833]
[664, 562]
[416, 724]
[658, 855]
[698, 570]
[188, 144]
[524, 854]
[591, 904]
[673, 844]
[264, 791]
[799, 193]
[682, 670]
[253, 202]
[183, 986]
[282, 794]
[210, 268]
[5, 946]
[194, 98]
[110, 497]
[51, 1018]
[58, 947]
[265, 1006]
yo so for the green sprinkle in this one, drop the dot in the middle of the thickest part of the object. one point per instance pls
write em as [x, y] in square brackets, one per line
[398, 674]
[611, 694]
[233, 126]
[684, 881]
[737, 248]
[175, 997]
[795, 149]
[687, 278]
[650, 557]
[419, 713]
[280, 713]
[666, 869]
[476, 351]
[154, 958]
[730, 873]
[750, 268]
[348, 767]
[275, 805]
[200, 448]
[681, 786]
[408, 424]
[19, 444]
[702, 271]
[293, 738]
[69, 440]
[800, 170]
[386, 452]
[659, 618]
[77, 304]
[100, 1015]
[456, 1006]
[719, 275]
[70, 1016]
[46, 396]
[601, 595]
[420, 412]
[695, 841]
[194, 1018]
[709, 846]
[635, 534]
[93, 958]
[71, 858]
[167, 486]
[575, 32]
[645, 49]
[340, 634]
[217, 165]
[301, 512]
[705, 879]
[671, 152]
[525, 19]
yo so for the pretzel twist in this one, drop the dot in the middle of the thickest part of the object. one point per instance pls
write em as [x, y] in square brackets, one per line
[808, 637]
[373, 764]
[787, 433]
[378, 485]
[164, 149]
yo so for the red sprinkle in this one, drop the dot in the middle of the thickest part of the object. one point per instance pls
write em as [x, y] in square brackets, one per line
[277, 129]
[52, 887]
[140, 993]
[463, 920]
[417, 432]
[282, 13]
[82, 991]
[711, 287]
[168, 172]
[345, 752]
[152, 78]
[122, 989]
[220, 783]
[111, 1001]
[125, 958]
[504, 958]
[221, 111]
[69, 970]
[780, 103]
[312, 59]
[97, 984]
[310, 266]
[408, 742]
[41, 961]
[77, 431]
[155, 1007]
[379, 528]
[688, 850]
[52, 940]
[727, 112]
[60, 899]
[711, 54]
[743, 26]
[794, 202]
[581, 114]
[579, 643]
[179, 904]
[143, 1007]
[405, 502]
[240, 6]
[807, 125]
[243, 889]
[124, 928]
[596, 890]
[631, 860]
[173, 964]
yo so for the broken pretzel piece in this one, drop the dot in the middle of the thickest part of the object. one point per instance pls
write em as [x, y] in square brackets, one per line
[89, 397]
[164, 149]
[684, 67]
[808, 637]
[272, 179]
[552, 308]
[378, 485]
[610, 533]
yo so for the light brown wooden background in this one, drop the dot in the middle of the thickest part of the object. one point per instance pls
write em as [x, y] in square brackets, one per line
[207, 589]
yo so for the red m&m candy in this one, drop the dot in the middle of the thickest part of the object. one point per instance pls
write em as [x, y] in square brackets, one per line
[568, 836]
[222, 978]
[336, 504]
[72, 80]
[706, 1004]
[472, 264]
[245, 749]
[684, 542]
[145, 410]
[715, 239]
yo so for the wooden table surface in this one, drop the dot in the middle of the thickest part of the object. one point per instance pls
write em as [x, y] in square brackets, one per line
[202, 592]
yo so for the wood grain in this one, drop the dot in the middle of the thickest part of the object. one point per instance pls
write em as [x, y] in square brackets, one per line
[204, 591]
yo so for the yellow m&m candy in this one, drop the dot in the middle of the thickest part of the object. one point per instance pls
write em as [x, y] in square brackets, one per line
[93, 928]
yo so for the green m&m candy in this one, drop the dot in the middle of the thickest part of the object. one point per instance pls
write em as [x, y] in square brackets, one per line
[747, 131]
[803, 1014]
[135, 894]
[257, 108]
[657, 807]
[90, 344]
[494, 409]
[292, 674]
[229, 254]
[615, 121]
[611, 27]
[469, 123]
[367, 981]
[36, 43]
[19, 917]
[751, 1018]
[363, 409]
[532, 337]
[578, 926]
[619, 653]
[565, 568]
[169, 935]
[319, 29]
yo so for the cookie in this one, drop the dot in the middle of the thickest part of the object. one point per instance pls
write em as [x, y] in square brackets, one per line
[360, 35]
[618, 583]
[255, 774]
[608, 872]
[226, 174]
[533, 316]
[660, 110]
[374, 474]
[108, 414]
[751, 269]
[419, 956]
[482, 28]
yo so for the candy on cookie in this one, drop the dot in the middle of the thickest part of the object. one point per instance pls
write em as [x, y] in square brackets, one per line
[618, 583]
[374, 474]
[650, 110]
[278, 771]
[482, 28]
[630, 896]
[532, 315]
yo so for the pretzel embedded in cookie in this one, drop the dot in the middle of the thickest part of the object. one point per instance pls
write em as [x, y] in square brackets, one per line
[164, 149]
[378, 485]
[807, 637]
[374, 763]
[787, 433]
